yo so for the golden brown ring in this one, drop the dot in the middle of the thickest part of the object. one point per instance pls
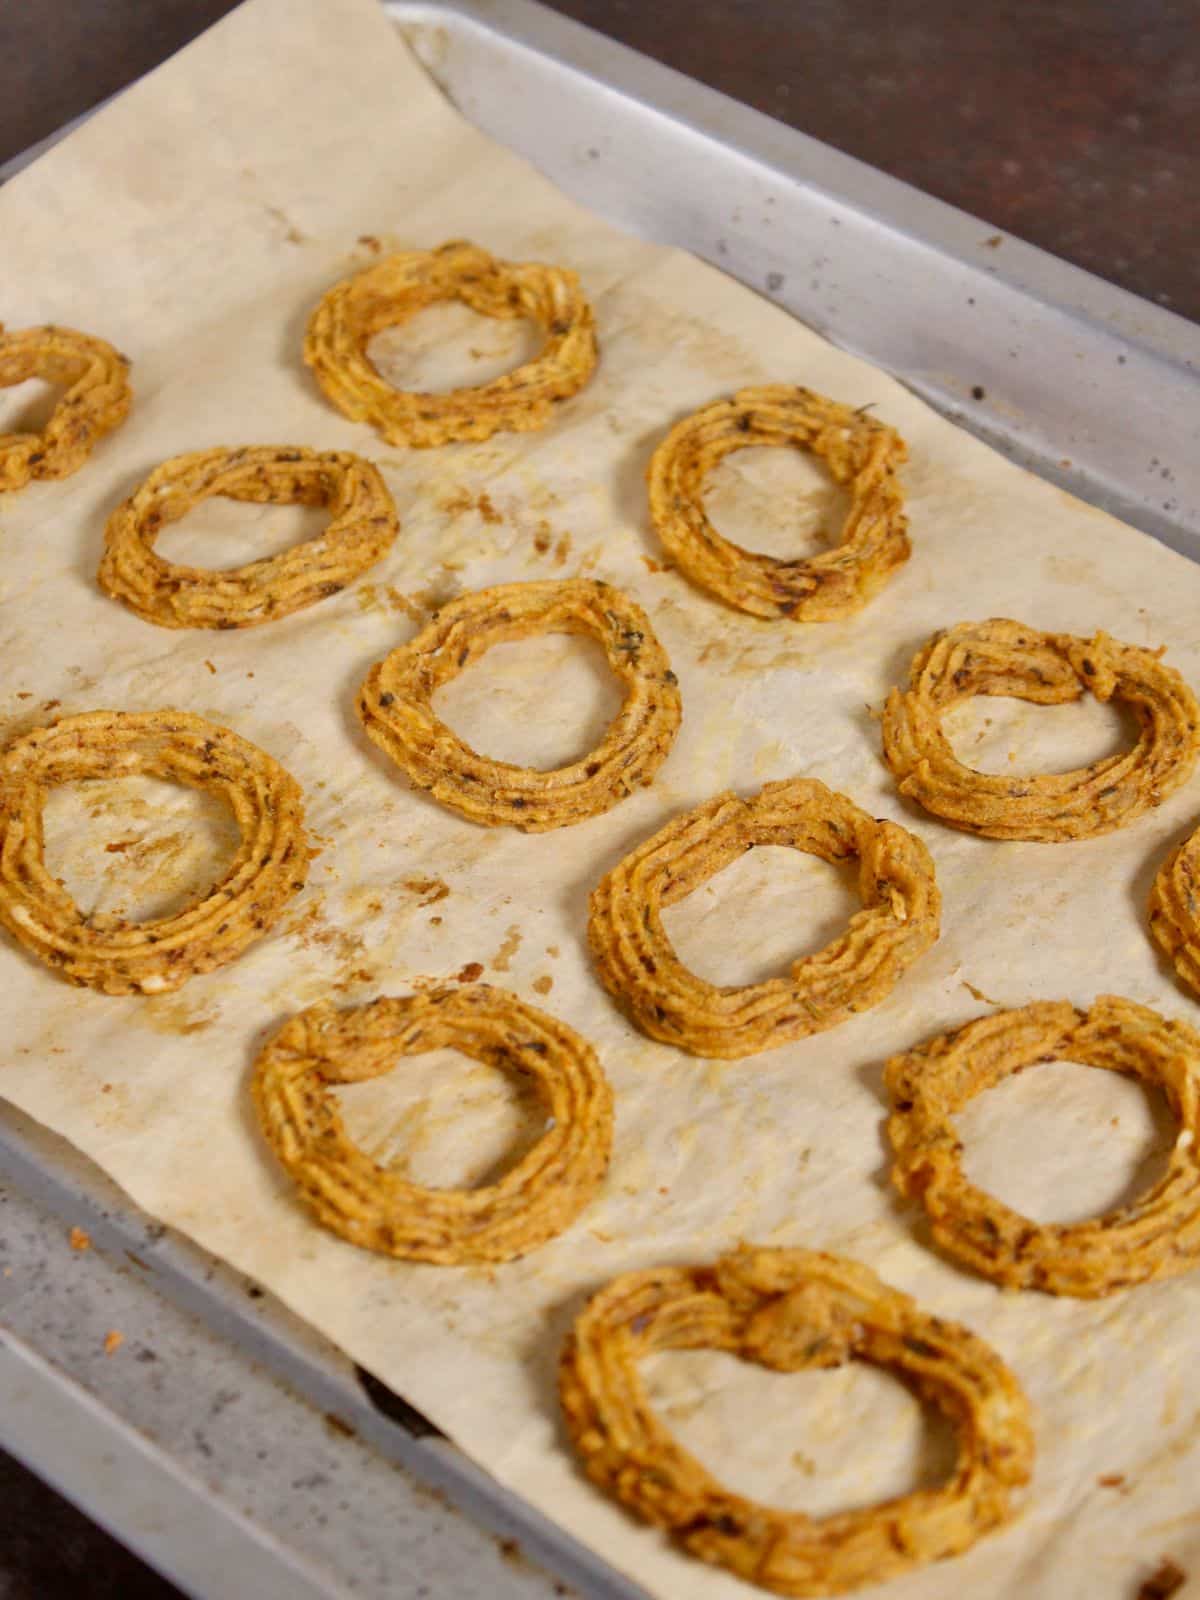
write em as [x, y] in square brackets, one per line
[1000, 657]
[377, 1209]
[96, 401]
[394, 289]
[861, 454]
[1175, 910]
[109, 953]
[1156, 1236]
[362, 527]
[790, 1310]
[395, 705]
[638, 965]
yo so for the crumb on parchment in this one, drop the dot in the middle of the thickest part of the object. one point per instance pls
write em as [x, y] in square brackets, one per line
[80, 1239]
[1166, 1579]
[113, 1340]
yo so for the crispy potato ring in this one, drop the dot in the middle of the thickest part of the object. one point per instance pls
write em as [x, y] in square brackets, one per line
[97, 400]
[395, 705]
[639, 968]
[1157, 1236]
[1000, 657]
[1175, 910]
[109, 953]
[374, 1207]
[858, 451]
[362, 527]
[790, 1310]
[394, 289]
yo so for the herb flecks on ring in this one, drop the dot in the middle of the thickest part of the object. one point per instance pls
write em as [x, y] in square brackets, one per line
[395, 705]
[791, 1310]
[361, 529]
[377, 1209]
[1155, 1236]
[637, 963]
[97, 400]
[109, 953]
[394, 289]
[1174, 910]
[1001, 657]
[861, 454]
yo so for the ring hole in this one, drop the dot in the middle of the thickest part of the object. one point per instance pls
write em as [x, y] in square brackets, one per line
[136, 848]
[756, 916]
[444, 1121]
[1061, 1142]
[822, 1441]
[776, 502]
[27, 407]
[448, 346]
[997, 734]
[220, 533]
[542, 702]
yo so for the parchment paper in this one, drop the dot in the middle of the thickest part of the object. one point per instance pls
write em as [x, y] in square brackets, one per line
[194, 224]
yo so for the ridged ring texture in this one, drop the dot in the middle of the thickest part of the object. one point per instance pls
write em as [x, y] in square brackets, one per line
[361, 529]
[791, 1310]
[109, 953]
[395, 705]
[394, 289]
[97, 400]
[861, 454]
[638, 965]
[1174, 910]
[1155, 1236]
[374, 1207]
[1001, 657]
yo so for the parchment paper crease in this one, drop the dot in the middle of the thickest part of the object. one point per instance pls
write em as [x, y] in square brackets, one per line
[194, 223]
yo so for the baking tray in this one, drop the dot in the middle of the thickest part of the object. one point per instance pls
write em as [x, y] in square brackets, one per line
[1090, 387]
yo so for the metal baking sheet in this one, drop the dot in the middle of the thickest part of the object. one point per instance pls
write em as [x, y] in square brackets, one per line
[1087, 385]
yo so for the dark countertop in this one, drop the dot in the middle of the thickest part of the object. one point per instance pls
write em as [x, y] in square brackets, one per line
[1074, 124]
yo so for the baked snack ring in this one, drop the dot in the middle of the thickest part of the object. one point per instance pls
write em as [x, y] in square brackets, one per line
[109, 953]
[97, 400]
[376, 1208]
[395, 705]
[1174, 909]
[362, 527]
[1156, 1236]
[790, 1310]
[394, 289]
[861, 454]
[638, 965]
[1006, 658]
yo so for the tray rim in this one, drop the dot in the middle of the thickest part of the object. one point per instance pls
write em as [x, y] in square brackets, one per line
[908, 210]
[952, 231]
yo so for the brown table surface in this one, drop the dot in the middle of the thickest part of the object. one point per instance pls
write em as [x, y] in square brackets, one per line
[1074, 124]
